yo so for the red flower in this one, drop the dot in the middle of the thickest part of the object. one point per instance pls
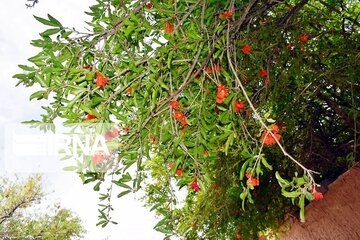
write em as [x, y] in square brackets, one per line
[252, 181]
[101, 80]
[98, 157]
[214, 185]
[217, 68]
[128, 92]
[90, 116]
[178, 172]
[194, 185]
[275, 128]
[205, 152]
[209, 70]
[179, 116]
[227, 14]
[267, 139]
[149, 5]
[108, 136]
[290, 47]
[184, 122]
[263, 73]
[111, 134]
[317, 195]
[87, 67]
[239, 105]
[171, 165]
[168, 28]
[222, 92]
[238, 237]
[246, 49]
[115, 132]
[174, 104]
[304, 38]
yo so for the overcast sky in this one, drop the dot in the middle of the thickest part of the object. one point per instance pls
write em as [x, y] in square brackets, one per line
[18, 28]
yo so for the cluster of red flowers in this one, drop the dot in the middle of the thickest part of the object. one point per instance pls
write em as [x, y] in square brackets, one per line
[180, 117]
[168, 28]
[246, 49]
[317, 195]
[222, 93]
[179, 172]
[227, 14]
[264, 74]
[149, 5]
[267, 139]
[101, 80]
[216, 67]
[113, 133]
[194, 185]
[304, 38]
[99, 157]
[174, 104]
[252, 181]
[239, 105]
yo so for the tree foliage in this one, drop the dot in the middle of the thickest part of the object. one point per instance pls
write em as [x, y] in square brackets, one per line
[19, 219]
[234, 104]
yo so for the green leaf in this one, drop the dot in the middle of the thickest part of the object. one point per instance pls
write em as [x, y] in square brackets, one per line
[302, 208]
[97, 186]
[70, 168]
[266, 164]
[243, 169]
[50, 32]
[282, 182]
[38, 95]
[46, 22]
[287, 194]
[123, 193]
[54, 21]
[26, 68]
[229, 142]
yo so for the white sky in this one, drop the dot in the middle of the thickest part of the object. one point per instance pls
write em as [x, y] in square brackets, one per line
[17, 29]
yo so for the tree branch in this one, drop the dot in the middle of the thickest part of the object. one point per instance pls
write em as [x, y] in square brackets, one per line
[332, 8]
[284, 21]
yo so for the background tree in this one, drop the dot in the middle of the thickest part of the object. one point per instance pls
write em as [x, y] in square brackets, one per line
[20, 219]
[234, 102]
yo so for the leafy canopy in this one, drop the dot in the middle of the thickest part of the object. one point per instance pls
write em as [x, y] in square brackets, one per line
[231, 103]
[19, 218]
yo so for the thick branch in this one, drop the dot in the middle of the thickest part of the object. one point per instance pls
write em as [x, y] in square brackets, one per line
[11, 212]
[284, 21]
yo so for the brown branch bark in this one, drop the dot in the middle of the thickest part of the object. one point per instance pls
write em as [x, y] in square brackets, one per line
[11, 212]
[284, 21]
